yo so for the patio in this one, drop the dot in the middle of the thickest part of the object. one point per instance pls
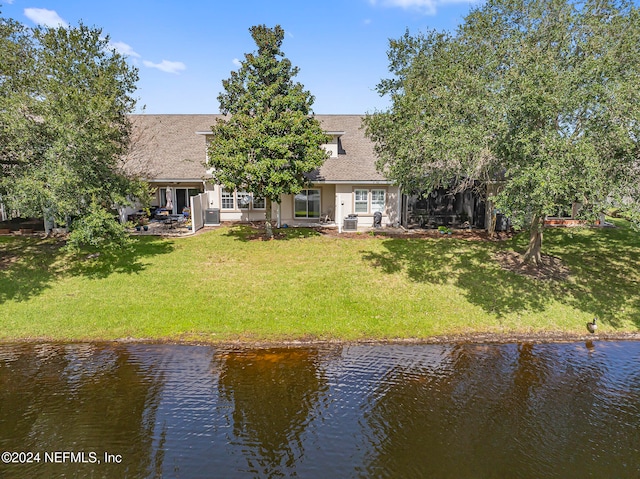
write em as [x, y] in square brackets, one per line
[165, 227]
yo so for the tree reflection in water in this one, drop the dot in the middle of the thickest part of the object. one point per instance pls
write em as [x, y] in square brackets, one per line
[80, 398]
[273, 393]
[501, 411]
[446, 411]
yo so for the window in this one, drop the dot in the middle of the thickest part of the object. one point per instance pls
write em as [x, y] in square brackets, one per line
[307, 204]
[377, 201]
[258, 203]
[369, 201]
[241, 200]
[362, 201]
[162, 193]
[227, 200]
[244, 200]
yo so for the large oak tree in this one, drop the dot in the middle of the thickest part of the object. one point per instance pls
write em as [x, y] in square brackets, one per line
[541, 96]
[269, 141]
[66, 95]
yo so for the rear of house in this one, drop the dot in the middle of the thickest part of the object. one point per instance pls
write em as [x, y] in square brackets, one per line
[169, 151]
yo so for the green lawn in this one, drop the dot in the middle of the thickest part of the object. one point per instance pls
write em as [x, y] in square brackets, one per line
[220, 286]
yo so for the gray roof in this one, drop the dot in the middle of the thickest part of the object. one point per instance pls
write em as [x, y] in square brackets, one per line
[356, 160]
[168, 147]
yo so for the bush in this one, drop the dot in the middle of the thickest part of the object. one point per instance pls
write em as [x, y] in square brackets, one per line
[98, 229]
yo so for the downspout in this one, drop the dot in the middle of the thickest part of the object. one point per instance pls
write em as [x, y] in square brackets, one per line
[339, 216]
[400, 212]
[191, 211]
[279, 215]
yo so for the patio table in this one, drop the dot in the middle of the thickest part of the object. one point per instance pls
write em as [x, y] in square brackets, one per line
[173, 219]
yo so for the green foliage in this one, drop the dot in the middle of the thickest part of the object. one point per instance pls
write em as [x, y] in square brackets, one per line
[269, 142]
[17, 87]
[540, 93]
[98, 229]
[64, 121]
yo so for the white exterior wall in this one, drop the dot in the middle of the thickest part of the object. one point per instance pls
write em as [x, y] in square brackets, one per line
[332, 147]
[236, 214]
[345, 198]
[337, 201]
[344, 202]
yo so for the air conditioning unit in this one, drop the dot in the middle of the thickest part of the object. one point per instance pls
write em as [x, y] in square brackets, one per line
[350, 223]
[212, 217]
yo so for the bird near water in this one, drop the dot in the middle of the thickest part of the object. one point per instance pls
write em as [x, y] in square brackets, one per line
[592, 326]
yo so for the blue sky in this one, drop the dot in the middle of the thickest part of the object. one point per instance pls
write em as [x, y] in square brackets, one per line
[184, 49]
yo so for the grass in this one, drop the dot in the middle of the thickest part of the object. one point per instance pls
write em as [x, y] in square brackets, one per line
[223, 286]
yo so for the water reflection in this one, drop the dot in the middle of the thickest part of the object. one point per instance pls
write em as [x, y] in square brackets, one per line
[507, 411]
[461, 410]
[81, 398]
[273, 393]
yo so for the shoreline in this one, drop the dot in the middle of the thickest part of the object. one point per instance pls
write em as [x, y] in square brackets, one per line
[471, 338]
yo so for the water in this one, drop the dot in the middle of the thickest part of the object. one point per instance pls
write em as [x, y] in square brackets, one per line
[397, 411]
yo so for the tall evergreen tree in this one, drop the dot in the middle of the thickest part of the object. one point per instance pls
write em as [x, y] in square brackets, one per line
[269, 141]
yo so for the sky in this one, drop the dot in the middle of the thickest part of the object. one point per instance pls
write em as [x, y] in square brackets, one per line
[184, 49]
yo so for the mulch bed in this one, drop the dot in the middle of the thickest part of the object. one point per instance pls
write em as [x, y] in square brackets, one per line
[388, 232]
[551, 267]
[465, 234]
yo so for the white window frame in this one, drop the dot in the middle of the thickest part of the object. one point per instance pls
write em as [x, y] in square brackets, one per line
[262, 199]
[360, 203]
[307, 190]
[241, 196]
[235, 198]
[366, 203]
[226, 196]
[381, 207]
[162, 196]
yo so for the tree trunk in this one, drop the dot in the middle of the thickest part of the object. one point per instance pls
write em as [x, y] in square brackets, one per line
[490, 219]
[533, 253]
[49, 222]
[268, 226]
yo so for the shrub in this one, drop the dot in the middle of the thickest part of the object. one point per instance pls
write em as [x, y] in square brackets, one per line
[98, 229]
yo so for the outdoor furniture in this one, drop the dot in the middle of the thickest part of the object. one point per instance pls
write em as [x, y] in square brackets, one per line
[161, 214]
[326, 217]
[171, 220]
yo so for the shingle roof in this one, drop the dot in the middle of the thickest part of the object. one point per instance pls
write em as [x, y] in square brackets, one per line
[356, 161]
[168, 147]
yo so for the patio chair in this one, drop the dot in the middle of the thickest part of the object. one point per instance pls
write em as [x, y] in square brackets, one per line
[326, 217]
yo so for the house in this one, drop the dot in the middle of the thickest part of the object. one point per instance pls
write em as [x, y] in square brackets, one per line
[169, 151]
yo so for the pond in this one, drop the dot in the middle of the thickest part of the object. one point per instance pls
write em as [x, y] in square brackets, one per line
[399, 411]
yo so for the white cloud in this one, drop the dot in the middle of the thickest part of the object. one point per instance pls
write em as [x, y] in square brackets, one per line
[42, 16]
[427, 7]
[166, 66]
[124, 49]
[236, 62]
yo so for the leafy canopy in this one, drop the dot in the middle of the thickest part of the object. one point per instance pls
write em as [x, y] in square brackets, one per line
[540, 94]
[64, 128]
[269, 141]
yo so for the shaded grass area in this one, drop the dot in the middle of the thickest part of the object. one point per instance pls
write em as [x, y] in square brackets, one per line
[226, 285]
